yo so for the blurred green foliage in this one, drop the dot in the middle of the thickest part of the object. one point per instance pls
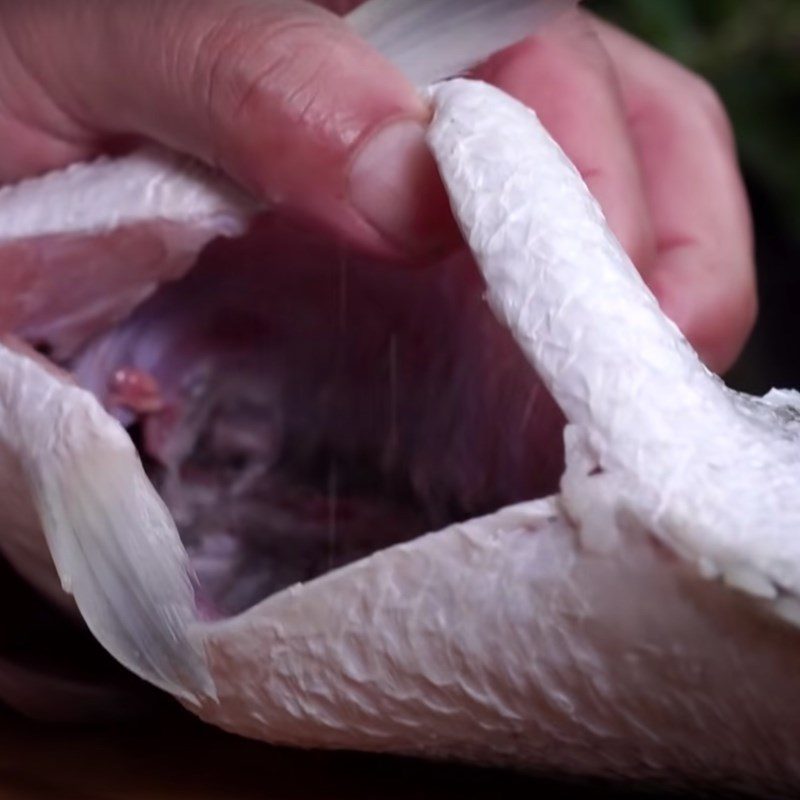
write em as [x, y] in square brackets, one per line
[750, 51]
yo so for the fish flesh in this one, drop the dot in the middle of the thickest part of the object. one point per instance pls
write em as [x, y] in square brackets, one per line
[264, 554]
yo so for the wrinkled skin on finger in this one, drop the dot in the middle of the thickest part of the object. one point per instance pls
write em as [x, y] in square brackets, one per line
[654, 144]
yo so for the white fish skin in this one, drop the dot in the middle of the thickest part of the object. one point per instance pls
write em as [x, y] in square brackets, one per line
[149, 184]
[503, 640]
[712, 473]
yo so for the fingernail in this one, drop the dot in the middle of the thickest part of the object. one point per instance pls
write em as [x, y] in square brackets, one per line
[395, 187]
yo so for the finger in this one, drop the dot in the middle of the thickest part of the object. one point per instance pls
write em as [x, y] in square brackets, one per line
[565, 75]
[29, 152]
[704, 273]
[281, 94]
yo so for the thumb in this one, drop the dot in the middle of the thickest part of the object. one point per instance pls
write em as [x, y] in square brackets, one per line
[281, 94]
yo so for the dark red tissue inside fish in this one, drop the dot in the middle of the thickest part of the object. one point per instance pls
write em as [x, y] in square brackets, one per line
[299, 407]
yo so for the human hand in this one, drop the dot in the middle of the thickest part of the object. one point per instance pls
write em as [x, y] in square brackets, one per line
[655, 146]
[281, 94]
[290, 102]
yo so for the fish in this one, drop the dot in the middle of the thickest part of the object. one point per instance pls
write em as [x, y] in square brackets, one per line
[495, 511]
